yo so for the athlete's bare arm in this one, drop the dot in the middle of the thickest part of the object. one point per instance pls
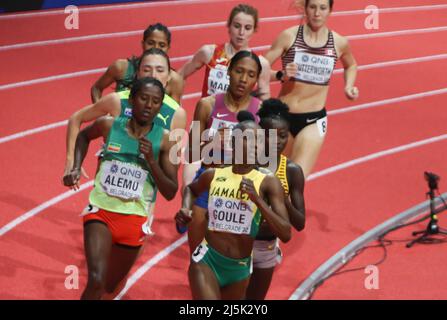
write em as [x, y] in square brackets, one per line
[110, 104]
[200, 58]
[295, 206]
[349, 65]
[116, 71]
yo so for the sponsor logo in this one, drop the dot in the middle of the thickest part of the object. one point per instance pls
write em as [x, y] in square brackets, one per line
[221, 115]
[220, 60]
[114, 168]
[128, 112]
[218, 203]
[164, 119]
[221, 179]
[305, 58]
[311, 120]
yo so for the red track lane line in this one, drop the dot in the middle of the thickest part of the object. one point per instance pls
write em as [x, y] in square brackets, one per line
[367, 159]
[205, 25]
[425, 34]
[334, 99]
[52, 26]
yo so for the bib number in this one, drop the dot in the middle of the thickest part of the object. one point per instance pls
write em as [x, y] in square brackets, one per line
[313, 68]
[218, 80]
[322, 126]
[199, 253]
[123, 180]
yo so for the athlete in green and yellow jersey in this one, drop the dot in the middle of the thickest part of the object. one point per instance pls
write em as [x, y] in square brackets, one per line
[135, 165]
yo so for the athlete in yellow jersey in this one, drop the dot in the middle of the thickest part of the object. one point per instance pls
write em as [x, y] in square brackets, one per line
[240, 197]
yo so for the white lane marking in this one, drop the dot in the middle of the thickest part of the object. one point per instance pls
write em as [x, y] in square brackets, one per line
[185, 58]
[70, 75]
[33, 131]
[149, 264]
[166, 251]
[389, 101]
[333, 112]
[14, 223]
[376, 155]
[180, 28]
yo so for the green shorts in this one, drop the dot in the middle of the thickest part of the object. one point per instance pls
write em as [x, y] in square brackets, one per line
[227, 270]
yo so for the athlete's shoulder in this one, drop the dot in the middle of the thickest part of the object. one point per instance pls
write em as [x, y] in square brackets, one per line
[124, 94]
[119, 66]
[294, 172]
[265, 171]
[175, 77]
[290, 32]
[294, 167]
[340, 41]
[286, 37]
[208, 101]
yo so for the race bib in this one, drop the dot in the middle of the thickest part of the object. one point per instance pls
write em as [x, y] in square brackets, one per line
[123, 180]
[199, 253]
[218, 80]
[313, 68]
[322, 126]
[230, 215]
[219, 124]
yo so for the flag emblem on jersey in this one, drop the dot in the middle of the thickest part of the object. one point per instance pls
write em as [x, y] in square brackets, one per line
[114, 147]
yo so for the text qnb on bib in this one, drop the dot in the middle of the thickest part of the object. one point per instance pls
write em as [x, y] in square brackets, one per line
[123, 180]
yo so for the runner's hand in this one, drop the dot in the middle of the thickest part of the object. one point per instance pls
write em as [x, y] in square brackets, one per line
[146, 149]
[183, 217]
[352, 93]
[291, 71]
[68, 169]
[72, 179]
[247, 187]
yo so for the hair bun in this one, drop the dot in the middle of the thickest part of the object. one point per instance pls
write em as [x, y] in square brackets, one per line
[245, 115]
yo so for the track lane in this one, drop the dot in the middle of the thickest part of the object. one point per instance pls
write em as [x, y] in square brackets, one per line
[64, 216]
[430, 73]
[52, 26]
[76, 56]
